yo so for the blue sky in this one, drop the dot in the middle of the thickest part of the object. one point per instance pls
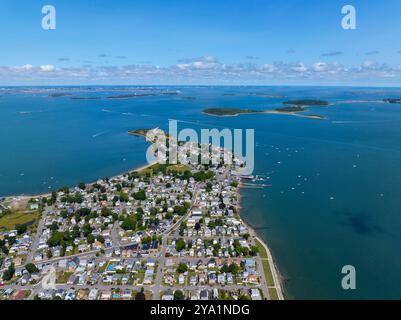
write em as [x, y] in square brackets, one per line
[200, 42]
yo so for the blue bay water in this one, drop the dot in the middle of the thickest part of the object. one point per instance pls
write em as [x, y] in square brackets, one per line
[335, 198]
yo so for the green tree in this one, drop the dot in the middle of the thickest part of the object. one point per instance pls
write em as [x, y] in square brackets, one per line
[129, 223]
[180, 245]
[31, 268]
[21, 228]
[178, 295]
[9, 273]
[140, 195]
[90, 238]
[182, 268]
[86, 229]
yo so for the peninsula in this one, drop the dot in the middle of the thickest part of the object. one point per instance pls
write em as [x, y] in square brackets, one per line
[168, 232]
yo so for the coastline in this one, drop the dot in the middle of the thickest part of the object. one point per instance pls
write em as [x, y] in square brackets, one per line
[29, 196]
[277, 278]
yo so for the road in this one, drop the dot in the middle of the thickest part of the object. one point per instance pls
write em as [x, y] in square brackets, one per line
[175, 228]
[157, 287]
[39, 232]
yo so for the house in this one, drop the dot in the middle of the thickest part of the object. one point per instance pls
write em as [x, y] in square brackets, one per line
[230, 279]
[221, 279]
[212, 278]
[70, 295]
[204, 295]
[60, 293]
[211, 263]
[253, 279]
[215, 293]
[255, 294]
[168, 295]
[93, 294]
[126, 294]
[34, 206]
[73, 279]
[148, 276]
[62, 264]
[105, 295]
[249, 263]
[25, 279]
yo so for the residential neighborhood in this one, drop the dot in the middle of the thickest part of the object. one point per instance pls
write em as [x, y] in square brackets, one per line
[168, 232]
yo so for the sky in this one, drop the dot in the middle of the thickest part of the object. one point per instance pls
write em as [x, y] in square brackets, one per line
[230, 42]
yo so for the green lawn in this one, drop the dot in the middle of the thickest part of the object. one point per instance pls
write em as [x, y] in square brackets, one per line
[63, 277]
[262, 251]
[273, 293]
[10, 220]
[268, 273]
[156, 168]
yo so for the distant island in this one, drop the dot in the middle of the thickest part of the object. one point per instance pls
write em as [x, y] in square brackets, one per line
[292, 110]
[58, 94]
[257, 94]
[307, 102]
[392, 101]
[86, 98]
[139, 95]
[230, 112]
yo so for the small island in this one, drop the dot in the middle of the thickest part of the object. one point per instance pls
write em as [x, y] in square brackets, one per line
[229, 112]
[392, 101]
[59, 94]
[86, 98]
[307, 102]
[291, 109]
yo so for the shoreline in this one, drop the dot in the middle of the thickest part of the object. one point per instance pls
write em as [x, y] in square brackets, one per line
[277, 278]
[24, 196]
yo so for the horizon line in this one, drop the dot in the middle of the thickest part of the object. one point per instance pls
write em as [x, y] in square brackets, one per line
[199, 85]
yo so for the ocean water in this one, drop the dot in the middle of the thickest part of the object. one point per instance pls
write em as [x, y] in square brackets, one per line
[335, 198]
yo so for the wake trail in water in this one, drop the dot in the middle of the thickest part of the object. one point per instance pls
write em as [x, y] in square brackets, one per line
[200, 124]
[99, 134]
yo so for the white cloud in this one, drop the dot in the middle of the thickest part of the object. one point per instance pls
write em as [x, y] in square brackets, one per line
[203, 63]
[47, 68]
[299, 67]
[319, 66]
[25, 67]
[206, 69]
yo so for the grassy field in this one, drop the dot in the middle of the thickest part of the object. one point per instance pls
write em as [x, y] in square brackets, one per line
[265, 263]
[10, 220]
[62, 277]
[273, 293]
[262, 251]
[268, 273]
[156, 168]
